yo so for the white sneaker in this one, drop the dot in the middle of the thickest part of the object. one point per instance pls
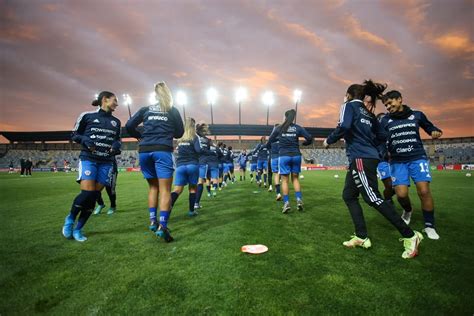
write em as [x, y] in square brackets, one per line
[406, 216]
[431, 233]
[270, 188]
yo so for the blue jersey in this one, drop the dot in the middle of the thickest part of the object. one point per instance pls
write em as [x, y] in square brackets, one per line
[225, 153]
[230, 156]
[262, 152]
[188, 152]
[361, 131]
[99, 134]
[242, 159]
[208, 152]
[288, 140]
[159, 128]
[275, 149]
[404, 141]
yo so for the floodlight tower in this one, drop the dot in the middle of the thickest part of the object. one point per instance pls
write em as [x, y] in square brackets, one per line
[182, 100]
[268, 99]
[127, 100]
[240, 95]
[211, 100]
[297, 99]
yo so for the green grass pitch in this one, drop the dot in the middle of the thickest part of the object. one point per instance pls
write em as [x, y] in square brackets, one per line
[124, 269]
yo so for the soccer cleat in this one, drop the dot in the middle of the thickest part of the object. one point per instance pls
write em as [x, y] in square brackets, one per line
[411, 245]
[299, 205]
[99, 209]
[153, 226]
[214, 193]
[164, 233]
[431, 233]
[197, 206]
[270, 188]
[209, 195]
[286, 207]
[406, 216]
[78, 236]
[357, 242]
[111, 210]
[67, 227]
[278, 197]
[192, 213]
[220, 189]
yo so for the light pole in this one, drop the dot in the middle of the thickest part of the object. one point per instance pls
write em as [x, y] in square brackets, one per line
[240, 95]
[211, 99]
[127, 100]
[297, 99]
[268, 99]
[182, 100]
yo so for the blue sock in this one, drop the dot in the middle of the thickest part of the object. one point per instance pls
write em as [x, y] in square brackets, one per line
[298, 195]
[164, 215]
[429, 218]
[152, 214]
[192, 200]
[277, 188]
[286, 198]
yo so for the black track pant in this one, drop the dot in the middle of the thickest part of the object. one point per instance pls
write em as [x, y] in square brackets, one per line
[362, 179]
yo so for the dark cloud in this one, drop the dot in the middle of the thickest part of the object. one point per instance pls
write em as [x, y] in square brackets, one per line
[56, 55]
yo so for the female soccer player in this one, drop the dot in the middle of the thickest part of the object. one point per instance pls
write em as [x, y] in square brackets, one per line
[408, 157]
[99, 134]
[383, 168]
[161, 123]
[362, 132]
[290, 156]
[242, 160]
[230, 164]
[187, 165]
[274, 154]
[253, 165]
[262, 161]
[208, 162]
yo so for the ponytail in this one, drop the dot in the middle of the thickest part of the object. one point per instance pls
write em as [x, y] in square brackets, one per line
[103, 94]
[289, 119]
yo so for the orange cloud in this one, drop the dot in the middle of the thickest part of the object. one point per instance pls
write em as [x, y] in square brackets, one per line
[180, 74]
[258, 78]
[13, 33]
[301, 31]
[355, 29]
[454, 43]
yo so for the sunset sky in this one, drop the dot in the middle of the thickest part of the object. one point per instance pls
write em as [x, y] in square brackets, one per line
[55, 55]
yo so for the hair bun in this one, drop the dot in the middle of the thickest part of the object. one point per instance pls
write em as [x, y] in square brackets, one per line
[95, 102]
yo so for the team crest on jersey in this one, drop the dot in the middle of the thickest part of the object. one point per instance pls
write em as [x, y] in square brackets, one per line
[411, 117]
[114, 124]
[390, 120]
[87, 172]
[291, 129]
[96, 121]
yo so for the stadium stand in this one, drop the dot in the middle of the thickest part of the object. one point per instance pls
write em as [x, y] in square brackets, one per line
[50, 149]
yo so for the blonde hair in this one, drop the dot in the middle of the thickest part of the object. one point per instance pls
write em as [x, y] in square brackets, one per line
[164, 96]
[189, 130]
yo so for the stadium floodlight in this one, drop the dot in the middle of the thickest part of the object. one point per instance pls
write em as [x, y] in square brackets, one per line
[152, 98]
[268, 99]
[297, 96]
[127, 100]
[211, 95]
[182, 100]
[297, 99]
[240, 94]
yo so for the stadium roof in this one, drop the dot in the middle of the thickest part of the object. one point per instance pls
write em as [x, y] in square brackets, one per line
[216, 129]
